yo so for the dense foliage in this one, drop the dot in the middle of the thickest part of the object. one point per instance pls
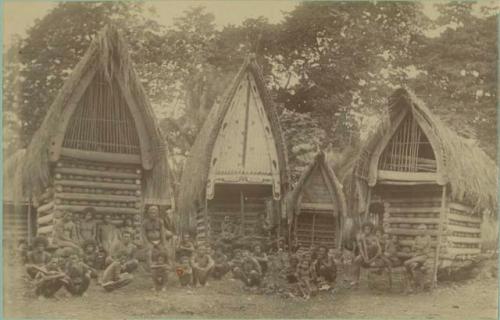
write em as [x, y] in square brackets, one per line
[329, 66]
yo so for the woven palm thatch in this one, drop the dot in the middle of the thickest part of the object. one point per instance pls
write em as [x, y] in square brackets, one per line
[293, 197]
[195, 173]
[109, 55]
[469, 172]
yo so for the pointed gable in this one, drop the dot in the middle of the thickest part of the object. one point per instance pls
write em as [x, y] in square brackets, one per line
[244, 150]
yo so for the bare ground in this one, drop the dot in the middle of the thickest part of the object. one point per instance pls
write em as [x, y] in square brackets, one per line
[473, 299]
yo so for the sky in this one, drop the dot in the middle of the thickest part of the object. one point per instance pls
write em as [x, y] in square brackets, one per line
[20, 15]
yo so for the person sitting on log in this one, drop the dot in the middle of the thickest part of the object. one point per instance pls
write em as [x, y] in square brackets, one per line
[221, 266]
[115, 276]
[420, 251]
[185, 247]
[261, 257]
[49, 279]
[369, 251]
[250, 272]
[202, 264]
[88, 226]
[160, 266]
[124, 245]
[39, 257]
[65, 233]
[107, 233]
[325, 267]
[184, 272]
[78, 274]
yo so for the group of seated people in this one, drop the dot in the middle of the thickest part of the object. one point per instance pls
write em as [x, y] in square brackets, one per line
[247, 258]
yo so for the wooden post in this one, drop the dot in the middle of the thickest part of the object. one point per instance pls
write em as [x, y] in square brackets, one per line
[440, 236]
[30, 233]
[242, 211]
[368, 200]
[207, 224]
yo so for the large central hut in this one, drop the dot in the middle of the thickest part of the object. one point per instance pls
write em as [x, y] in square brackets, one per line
[415, 170]
[317, 207]
[237, 166]
[99, 145]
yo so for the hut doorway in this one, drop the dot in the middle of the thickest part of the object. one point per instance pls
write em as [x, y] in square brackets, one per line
[241, 203]
[315, 227]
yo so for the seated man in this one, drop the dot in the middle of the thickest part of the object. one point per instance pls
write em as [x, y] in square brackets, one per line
[419, 252]
[49, 279]
[184, 272]
[39, 257]
[221, 264]
[250, 272]
[261, 257]
[78, 274]
[185, 247]
[160, 265]
[305, 274]
[325, 266]
[125, 245]
[202, 264]
[115, 276]
[65, 233]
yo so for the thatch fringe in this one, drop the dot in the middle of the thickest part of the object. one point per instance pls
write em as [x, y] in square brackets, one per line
[194, 178]
[292, 199]
[108, 53]
[470, 173]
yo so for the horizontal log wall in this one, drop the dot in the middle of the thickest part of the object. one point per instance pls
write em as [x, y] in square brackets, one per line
[109, 188]
[463, 231]
[15, 221]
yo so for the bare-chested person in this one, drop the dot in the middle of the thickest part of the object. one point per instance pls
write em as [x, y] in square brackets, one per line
[88, 226]
[202, 264]
[107, 233]
[185, 247]
[125, 245]
[38, 257]
[65, 233]
[184, 271]
[152, 227]
[221, 266]
[250, 272]
[305, 274]
[370, 251]
[420, 252]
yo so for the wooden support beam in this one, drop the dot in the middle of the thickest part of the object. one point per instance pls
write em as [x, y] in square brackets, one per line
[95, 197]
[97, 173]
[411, 232]
[464, 229]
[460, 207]
[45, 230]
[416, 177]
[455, 239]
[117, 210]
[102, 156]
[415, 210]
[45, 208]
[457, 251]
[464, 218]
[45, 219]
[412, 220]
[97, 184]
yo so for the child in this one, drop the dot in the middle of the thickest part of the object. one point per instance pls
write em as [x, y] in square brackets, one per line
[79, 275]
[49, 279]
[38, 257]
[221, 266]
[159, 270]
[90, 256]
[184, 272]
[185, 248]
[202, 264]
[304, 275]
[114, 277]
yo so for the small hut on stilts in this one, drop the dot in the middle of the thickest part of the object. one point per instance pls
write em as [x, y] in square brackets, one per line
[414, 171]
[317, 207]
[99, 145]
[237, 166]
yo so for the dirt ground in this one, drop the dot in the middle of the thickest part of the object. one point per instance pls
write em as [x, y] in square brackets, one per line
[472, 299]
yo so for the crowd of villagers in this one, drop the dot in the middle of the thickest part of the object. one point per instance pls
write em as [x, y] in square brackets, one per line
[84, 251]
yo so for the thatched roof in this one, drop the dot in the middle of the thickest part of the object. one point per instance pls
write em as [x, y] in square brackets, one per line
[108, 54]
[293, 197]
[12, 172]
[196, 169]
[470, 174]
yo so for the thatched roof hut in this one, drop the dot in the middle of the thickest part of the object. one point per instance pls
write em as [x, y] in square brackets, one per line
[192, 192]
[316, 207]
[469, 172]
[107, 60]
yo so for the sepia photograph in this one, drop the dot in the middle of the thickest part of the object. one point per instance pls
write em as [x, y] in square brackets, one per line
[250, 159]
